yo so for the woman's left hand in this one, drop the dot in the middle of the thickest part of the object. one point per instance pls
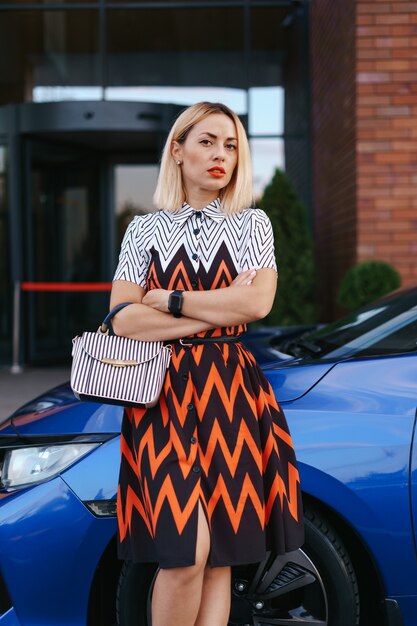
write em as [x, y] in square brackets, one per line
[157, 299]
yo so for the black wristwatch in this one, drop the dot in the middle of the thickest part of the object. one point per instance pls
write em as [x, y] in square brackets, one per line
[175, 303]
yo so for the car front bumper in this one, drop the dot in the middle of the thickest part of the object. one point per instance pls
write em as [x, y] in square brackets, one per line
[51, 545]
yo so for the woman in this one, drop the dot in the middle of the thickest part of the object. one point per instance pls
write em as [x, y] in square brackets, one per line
[208, 477]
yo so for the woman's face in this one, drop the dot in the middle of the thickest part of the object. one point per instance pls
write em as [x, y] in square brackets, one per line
[208, 156]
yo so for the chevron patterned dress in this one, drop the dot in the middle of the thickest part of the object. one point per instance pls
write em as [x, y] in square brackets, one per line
[217, 435]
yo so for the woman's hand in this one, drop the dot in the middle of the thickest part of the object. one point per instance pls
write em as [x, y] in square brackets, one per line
[244, 278]
[157, 299]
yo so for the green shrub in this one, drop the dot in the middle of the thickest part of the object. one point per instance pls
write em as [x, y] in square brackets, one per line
[366, 282]
[294, 303]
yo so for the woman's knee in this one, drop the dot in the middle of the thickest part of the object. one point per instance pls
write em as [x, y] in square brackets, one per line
[217, 574]
[182, 577]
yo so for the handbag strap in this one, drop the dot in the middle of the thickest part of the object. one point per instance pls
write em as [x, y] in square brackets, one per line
[106, 323]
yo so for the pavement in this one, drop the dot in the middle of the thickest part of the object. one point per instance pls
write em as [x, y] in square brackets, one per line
[16, 389]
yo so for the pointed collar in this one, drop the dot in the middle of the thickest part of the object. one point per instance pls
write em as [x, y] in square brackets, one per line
[212, 210]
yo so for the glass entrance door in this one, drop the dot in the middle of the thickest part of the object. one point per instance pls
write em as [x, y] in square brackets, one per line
[78, 173]
[65, 243]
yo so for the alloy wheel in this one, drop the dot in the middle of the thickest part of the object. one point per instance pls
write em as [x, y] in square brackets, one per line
[280, 591]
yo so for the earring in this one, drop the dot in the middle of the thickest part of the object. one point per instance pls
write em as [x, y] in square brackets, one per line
[178, 162]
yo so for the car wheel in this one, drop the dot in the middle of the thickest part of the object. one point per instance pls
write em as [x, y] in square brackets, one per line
[326, 550]
[133, 594]
[316, 586]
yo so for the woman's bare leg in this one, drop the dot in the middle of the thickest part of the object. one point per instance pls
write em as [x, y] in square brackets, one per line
[215, 599]
[177, 592]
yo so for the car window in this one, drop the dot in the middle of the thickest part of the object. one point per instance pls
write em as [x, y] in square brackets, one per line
[395, 335]
[403, 340]
[388, 326]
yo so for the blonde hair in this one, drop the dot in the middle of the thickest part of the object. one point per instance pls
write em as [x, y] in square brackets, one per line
[170, 193]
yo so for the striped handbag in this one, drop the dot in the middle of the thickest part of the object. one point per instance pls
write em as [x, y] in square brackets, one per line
[110, 369]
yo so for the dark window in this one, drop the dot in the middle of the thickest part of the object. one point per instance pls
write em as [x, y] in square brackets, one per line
[43, 51]
[175, 47]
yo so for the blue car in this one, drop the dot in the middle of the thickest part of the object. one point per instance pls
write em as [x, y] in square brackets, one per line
[349, 391]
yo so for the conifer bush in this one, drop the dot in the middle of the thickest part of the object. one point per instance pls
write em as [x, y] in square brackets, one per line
[366, 282]
[294, 302]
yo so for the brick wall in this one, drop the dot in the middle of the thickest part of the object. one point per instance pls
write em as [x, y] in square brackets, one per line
[364, 139]
[332, 76]
[387, 134]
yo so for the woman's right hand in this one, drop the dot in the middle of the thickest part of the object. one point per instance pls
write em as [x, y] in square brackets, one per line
[244, 278]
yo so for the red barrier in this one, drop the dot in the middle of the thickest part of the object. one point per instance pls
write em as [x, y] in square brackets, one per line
[27, 286]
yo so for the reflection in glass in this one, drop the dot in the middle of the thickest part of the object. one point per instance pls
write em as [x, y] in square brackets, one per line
[2, 164]
[267, 155]
[269, 43]
[64, 93]
[47, 49]
[234, 98]
[387, 326]
[134, 187]
[266, 106]
[5, 290]
[181, 47]
[66, 247]
[65, 216]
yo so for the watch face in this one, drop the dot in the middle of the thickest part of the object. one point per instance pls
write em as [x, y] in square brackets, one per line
[175, 302]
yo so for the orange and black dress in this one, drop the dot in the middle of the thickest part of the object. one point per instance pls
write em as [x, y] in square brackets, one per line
[217, 435]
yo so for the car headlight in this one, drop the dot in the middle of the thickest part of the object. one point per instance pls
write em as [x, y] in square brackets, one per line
[25, 466]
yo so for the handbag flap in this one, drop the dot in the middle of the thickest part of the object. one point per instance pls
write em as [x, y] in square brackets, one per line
[114, 347]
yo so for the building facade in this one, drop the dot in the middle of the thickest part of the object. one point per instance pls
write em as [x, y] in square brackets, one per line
[363, 70]
[89, 89]
[88, 92]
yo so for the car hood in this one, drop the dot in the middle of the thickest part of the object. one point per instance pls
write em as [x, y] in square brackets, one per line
[58, 412]
[295, 378]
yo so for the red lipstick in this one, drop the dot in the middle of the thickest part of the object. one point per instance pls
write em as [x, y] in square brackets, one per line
[217, 171]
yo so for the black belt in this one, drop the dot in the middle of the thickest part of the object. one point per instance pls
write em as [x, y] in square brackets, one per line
[195, 341]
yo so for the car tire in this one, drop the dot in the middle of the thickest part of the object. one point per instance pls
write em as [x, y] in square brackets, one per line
[133, 592]
[316, 584]
[326, 550]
